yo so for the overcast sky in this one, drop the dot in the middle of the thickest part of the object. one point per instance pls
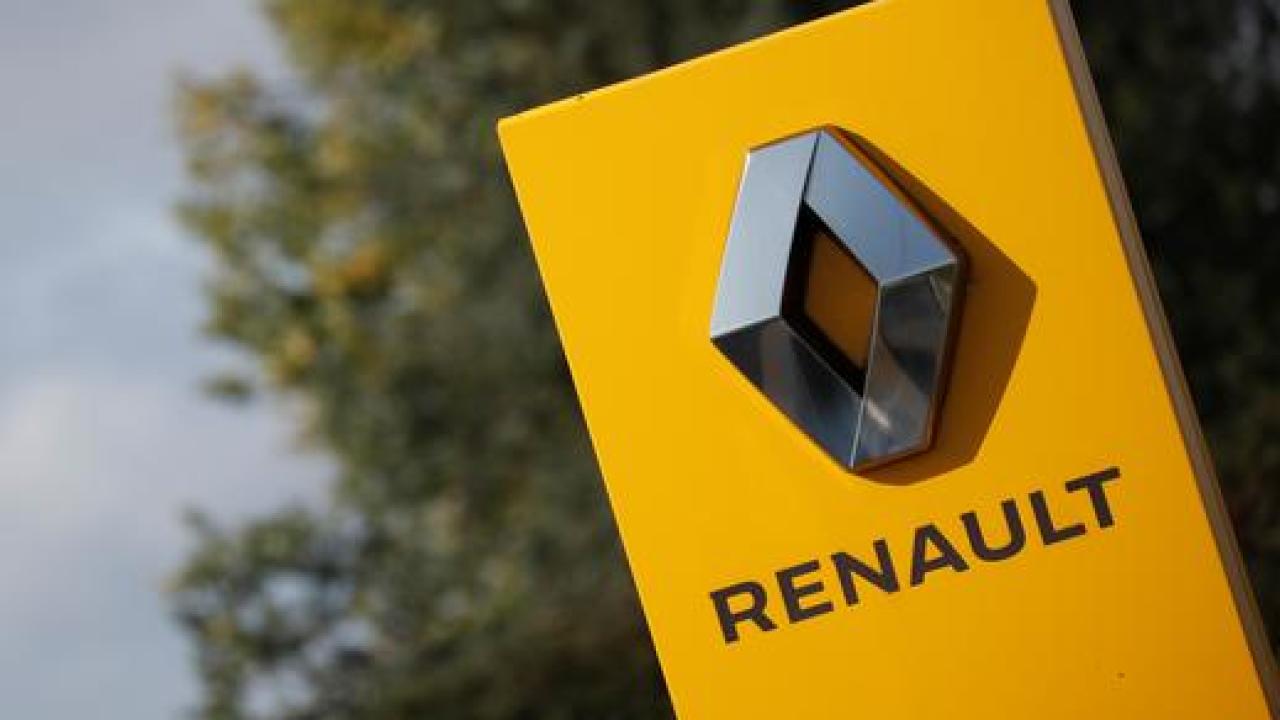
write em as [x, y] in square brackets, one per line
[104, 434]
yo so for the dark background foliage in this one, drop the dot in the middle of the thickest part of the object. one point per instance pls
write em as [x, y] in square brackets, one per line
[370, 256]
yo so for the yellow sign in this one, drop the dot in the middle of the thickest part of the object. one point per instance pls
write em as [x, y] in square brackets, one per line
[1060, 551]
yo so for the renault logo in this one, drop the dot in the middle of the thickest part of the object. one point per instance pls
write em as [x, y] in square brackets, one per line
[837, 298]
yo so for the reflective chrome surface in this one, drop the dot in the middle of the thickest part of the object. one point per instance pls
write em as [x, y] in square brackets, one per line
[859, 416]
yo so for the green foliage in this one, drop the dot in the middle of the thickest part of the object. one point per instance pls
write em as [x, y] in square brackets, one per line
[370, 256]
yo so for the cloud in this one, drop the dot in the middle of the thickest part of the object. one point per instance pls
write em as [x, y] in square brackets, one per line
[93, 474]
[104, 436]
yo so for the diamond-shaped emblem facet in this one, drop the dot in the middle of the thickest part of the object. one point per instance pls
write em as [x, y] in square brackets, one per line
[864, 407]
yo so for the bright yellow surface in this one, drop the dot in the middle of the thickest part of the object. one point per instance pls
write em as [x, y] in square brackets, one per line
[627, 193]
[840, 298]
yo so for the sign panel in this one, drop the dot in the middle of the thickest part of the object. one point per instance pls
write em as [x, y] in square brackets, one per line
[876, 373]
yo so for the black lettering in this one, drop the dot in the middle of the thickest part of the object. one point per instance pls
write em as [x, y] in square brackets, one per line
[947, 556]
[1048, 532]
[793, 594]
[1097, 493]
[978, 540]
[847, 566]
[730, 618]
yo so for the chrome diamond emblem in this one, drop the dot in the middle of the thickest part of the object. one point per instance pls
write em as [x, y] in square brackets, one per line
[871, 399]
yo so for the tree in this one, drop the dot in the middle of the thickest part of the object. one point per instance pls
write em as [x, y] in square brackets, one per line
[370, 257]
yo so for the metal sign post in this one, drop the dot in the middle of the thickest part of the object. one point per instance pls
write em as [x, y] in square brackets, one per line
[878, 379]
